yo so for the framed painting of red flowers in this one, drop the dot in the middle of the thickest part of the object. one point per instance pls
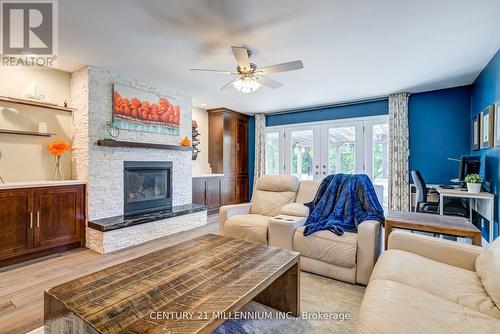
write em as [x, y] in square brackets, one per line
[139, 110]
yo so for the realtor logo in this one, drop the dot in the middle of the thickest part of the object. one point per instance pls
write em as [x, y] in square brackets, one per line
[29, 33]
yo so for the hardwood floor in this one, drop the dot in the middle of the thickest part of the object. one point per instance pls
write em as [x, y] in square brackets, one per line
[22, 286]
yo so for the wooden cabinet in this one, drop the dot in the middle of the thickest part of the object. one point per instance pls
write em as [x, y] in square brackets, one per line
[228, 152]
[16, 220]
[207, 190]
[39, 221]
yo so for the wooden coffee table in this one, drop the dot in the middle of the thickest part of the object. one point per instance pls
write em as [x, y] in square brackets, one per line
[427, 222]
[207, 278]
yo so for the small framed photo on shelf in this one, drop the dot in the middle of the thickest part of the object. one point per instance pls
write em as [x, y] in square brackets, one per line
[487, 127]
[476, 132]
[497, 124]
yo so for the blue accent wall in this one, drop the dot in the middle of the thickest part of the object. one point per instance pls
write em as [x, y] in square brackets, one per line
[439, 129]
[364, 109]
[485, 91]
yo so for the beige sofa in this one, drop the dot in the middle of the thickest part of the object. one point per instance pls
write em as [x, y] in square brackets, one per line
[349, 257]
[429, 285]
[249, 221]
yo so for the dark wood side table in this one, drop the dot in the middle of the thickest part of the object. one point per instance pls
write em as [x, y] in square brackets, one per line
[426, 222]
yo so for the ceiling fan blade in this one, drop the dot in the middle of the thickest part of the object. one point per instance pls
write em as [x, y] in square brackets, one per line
[213, 71]
[229, 84]
[241, 55]
[268, 82]
[290, 66]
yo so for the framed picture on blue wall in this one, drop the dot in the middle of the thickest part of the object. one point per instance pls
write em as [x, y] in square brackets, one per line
[487, 127]
[497, 123]
[476, 132]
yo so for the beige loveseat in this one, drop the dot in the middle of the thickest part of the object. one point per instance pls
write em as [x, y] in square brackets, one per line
[349, 257]
[429, 285]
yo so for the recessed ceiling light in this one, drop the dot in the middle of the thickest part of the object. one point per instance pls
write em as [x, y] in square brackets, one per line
[204, 104]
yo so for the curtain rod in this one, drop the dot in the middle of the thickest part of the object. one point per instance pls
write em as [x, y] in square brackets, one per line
[341, 104]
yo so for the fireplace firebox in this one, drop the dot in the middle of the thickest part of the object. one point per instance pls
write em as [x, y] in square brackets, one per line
[147, 186]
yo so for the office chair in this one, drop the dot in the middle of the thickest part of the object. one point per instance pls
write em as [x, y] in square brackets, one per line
[452, 206]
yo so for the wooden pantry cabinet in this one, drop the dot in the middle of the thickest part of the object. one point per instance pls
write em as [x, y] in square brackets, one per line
[36, 222]
[228, 152]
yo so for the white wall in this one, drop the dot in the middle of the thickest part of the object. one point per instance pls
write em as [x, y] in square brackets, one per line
[200, 165]
[25, 158]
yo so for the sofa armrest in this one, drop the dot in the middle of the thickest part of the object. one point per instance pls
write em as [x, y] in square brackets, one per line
[281, 230]
[368, 249]
[228, 211]
[295, 209]
[444, 251]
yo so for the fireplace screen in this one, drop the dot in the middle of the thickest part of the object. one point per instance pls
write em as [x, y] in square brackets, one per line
[147, 186]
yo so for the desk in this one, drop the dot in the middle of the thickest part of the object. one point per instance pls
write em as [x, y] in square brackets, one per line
[477, 203]
[431, 223]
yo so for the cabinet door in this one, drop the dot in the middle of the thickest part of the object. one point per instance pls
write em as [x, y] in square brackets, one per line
[229, 190]
[242, 189]
[230, 140]
[16, 232]
[59, 216]
[199, 191]
[242, 147]
[213, 193]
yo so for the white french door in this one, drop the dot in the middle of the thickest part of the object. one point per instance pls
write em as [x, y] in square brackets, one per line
[314, 150]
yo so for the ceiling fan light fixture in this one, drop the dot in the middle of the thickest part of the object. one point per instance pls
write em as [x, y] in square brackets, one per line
[246, 84]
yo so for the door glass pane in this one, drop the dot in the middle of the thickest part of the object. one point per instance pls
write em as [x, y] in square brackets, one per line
[342, 150]
[301, 154]
[272, 153]
[380, 162]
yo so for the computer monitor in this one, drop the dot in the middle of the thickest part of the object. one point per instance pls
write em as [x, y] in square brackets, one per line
[469, 164]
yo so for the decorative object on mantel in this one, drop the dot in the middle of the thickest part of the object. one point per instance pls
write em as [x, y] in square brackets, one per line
[133, 144]
[185, 142]
[195, 141]
[487, 125]
[57, 149]
[35, 92]
[111, 131]
[139, 110]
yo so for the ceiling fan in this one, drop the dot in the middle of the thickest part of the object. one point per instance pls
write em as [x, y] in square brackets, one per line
[249, 77]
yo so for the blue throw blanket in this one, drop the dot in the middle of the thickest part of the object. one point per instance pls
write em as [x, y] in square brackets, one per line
[343, 202]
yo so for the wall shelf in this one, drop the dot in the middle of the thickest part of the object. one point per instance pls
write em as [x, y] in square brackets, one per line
[118, 143]
[34, 104]
[26, 133]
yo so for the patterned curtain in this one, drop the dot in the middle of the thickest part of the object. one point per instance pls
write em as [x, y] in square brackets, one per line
[260, 147]
[398, 152]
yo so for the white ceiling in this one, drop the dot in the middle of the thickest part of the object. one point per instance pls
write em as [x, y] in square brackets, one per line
[350, 49]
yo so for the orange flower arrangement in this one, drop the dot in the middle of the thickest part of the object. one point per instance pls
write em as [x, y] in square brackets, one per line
[58, 147]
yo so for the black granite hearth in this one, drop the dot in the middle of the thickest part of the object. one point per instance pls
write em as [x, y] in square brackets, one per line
[117, 222]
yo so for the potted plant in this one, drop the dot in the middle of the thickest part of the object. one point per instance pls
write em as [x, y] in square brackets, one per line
[474, 182]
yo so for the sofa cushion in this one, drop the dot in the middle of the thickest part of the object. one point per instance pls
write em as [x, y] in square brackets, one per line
[327, 247]
[488, 269]
[449, 282]
[249, 227]
[393, 307]
[307, 191]
[278, 183]
[295, 209]
[269, 203]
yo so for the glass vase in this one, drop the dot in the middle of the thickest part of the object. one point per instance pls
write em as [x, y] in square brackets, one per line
[58, 174]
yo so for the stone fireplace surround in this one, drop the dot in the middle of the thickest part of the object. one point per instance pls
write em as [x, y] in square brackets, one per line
[102, 167]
